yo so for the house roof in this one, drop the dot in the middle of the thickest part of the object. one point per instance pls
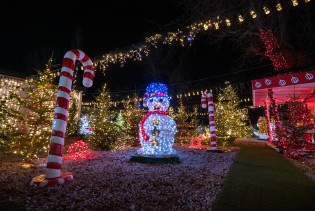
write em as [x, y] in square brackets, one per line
[285, 86]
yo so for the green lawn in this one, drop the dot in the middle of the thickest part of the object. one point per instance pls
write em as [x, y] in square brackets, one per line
[262, 179]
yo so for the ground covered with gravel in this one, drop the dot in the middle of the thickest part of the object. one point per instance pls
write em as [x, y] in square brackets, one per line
[110, 181]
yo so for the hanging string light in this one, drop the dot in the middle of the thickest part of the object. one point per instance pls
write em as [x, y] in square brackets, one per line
[228, 22]
[295, 3]
[182, 37]
[253, 14]
[266, 10]
[279, 7]
[240, 18]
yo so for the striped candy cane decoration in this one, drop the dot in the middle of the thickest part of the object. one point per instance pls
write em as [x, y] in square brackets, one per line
[53, 174]
[208, 97]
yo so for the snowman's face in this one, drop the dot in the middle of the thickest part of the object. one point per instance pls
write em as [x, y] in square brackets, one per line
[158, 103]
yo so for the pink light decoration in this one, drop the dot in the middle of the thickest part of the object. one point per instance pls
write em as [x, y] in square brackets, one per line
[53, 174]
[273, 50]
[79, 150]
[208, 97]
[270, 137]
[196, 142]
[275, 112]
[310, 96]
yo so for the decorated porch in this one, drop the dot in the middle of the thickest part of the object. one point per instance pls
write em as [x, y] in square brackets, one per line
[289, 105]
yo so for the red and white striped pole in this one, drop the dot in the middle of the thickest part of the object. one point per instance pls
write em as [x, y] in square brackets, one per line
[207, 101]
[53, 174]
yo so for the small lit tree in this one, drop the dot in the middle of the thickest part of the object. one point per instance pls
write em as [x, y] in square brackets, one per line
[106, 134]
[262, 125]
[231, 121]
[85, 128]
[171, 112]
[120, 121]
[72, 124]
[295, 120]
[33, 113]
[7, 124]
[182, 121]
[132, 115]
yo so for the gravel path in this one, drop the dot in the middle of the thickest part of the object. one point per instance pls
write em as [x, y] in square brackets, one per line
[109, 181]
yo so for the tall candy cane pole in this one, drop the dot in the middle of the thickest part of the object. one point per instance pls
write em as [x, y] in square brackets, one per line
[53, 174]
[208, 97]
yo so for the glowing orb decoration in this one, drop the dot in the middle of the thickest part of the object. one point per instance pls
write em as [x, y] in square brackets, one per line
[79, 150]
[196, 142]
[157, 128]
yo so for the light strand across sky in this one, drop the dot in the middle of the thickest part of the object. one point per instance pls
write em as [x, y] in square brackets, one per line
[183, 37]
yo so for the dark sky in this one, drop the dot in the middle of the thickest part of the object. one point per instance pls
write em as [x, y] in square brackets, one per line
[31, 31]
[49, 26]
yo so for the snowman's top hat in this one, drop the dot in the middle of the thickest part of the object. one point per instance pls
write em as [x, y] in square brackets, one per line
[155, 90]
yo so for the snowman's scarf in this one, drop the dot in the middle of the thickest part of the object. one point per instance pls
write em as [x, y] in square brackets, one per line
[143, 132]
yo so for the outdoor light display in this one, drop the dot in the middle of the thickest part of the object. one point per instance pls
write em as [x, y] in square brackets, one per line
[196, 142]
[157, 128]
[84, 126]
[79, 150]
[269, 128]
[275, 113]
[263, 127]
[273, 50]
[207, 101]
[186, 35]
[53, 174]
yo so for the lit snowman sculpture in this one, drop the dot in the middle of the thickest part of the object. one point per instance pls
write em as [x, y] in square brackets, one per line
[157, 128]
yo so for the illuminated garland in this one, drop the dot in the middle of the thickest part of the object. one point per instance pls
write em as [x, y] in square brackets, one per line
[180, 36]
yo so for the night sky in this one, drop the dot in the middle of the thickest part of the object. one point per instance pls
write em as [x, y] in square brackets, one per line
[31, 31]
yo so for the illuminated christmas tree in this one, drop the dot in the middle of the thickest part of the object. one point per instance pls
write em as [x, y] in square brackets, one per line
[171, 112]
[33, 112]
[262, 125]
[231, 120]
[7, 124]
[295, 121]
[85, 128]
[182, 120]
[132, 115]
[194, 121]
[120, 121]
[106, 134]
[72, 124]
